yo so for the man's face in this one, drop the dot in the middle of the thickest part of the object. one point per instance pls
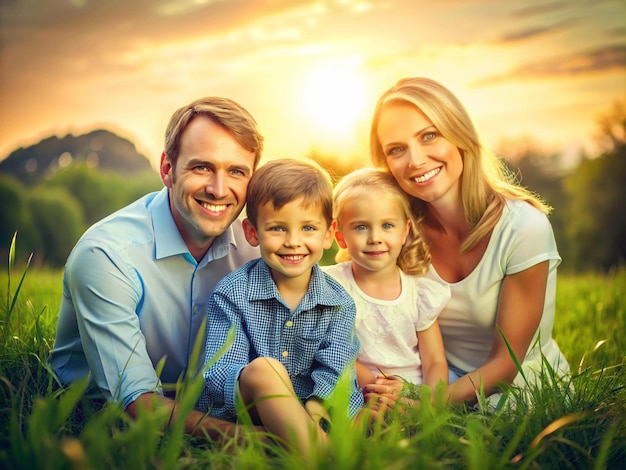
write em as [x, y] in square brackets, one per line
[208, 185]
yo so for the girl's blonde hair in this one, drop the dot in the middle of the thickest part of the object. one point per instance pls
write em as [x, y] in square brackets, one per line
[414, 257]
[486, 183]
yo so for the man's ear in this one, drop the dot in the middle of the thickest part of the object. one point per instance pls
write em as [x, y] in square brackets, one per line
[166, 170]
[250, 232]
[339, 236]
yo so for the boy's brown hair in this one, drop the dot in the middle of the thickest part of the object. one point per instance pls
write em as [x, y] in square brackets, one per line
[282, 181]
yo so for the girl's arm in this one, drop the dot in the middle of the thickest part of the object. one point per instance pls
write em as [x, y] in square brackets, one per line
[520, 309]
[363, 375]
[434, 364]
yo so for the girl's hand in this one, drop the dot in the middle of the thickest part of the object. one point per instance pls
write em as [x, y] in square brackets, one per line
[382, 395]
[384, 386]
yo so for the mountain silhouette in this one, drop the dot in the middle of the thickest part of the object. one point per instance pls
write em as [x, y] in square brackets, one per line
[100, 148]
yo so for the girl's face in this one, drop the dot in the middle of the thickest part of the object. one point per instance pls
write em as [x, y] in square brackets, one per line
[424, 163]
[373, 227]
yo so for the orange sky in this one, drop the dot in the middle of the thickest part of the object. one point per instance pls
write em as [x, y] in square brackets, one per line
[309, 71]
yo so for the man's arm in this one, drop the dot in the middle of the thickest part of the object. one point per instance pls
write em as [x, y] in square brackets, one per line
[196, 422]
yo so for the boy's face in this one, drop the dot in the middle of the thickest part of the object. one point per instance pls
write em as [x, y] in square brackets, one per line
[292, 239]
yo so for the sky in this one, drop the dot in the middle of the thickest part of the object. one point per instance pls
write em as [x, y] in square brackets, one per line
[532, 73]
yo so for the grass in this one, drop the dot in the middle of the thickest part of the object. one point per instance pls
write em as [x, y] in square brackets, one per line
[579, 424]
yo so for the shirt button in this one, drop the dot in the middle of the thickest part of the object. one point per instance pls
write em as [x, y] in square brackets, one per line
[285, 353]
[289, 323]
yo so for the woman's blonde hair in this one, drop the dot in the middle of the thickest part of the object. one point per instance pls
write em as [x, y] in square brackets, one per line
[486, 183]
[414, 257]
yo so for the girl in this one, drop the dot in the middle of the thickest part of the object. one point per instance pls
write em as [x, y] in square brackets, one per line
[381, 259]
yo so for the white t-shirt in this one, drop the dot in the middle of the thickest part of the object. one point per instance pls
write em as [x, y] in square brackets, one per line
[387, 329]
[522, 238]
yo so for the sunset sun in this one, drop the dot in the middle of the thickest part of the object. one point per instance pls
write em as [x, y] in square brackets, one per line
[334, 98]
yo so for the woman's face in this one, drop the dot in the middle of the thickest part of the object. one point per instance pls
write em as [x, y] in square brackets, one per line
[423, 162]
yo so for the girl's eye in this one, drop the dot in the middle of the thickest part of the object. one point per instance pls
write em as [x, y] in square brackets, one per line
[308, 228]
[360, 227]
[387, 226]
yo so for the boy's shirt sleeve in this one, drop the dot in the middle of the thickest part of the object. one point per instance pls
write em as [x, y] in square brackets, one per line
[220, 379]
[337, 355]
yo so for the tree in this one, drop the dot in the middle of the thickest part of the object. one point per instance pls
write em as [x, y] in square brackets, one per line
[596, 226]
[14, 216]
[59, 224]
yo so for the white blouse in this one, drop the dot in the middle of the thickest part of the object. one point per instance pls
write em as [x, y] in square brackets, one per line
[387, 329]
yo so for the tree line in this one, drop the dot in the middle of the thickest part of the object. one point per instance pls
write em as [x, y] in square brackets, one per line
[589, 218]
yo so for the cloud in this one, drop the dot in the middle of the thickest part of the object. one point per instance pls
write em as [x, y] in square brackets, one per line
[612, 57]
[536, 31]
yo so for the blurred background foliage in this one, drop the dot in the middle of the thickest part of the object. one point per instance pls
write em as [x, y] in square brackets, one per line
[51, 192]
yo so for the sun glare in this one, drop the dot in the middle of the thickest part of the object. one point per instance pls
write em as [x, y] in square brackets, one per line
[333, 98]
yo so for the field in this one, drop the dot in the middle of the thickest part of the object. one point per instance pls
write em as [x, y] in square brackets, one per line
[577, 424]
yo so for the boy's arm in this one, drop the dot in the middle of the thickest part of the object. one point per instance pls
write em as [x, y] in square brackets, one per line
[338, 356]
[221, 377]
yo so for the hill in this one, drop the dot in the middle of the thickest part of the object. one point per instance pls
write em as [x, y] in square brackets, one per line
[99, 148]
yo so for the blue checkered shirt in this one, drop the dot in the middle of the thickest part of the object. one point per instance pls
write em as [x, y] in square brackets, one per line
[315, 343]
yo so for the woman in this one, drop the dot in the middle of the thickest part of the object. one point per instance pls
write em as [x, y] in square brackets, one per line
[489, 239]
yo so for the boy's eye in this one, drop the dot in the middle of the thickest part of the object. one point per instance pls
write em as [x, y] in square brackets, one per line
[277, 228]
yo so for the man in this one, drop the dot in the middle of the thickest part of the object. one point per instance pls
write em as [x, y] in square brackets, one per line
[137, 283]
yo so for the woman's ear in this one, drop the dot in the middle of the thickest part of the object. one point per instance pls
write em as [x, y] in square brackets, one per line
[250, 232]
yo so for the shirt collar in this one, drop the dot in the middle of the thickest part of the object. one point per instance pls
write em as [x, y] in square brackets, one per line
[319, 292]
[168, 240]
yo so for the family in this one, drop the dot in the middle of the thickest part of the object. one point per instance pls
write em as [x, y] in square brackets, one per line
[446, 269]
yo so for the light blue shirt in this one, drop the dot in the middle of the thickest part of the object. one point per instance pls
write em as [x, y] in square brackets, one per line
[133, 295]
[316, 342]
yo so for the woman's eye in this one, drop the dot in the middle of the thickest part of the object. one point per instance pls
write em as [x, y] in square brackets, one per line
[429, 136]
[394, 151]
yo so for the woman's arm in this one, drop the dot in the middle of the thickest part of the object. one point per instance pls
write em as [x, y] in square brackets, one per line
[434, 364]
[520, 308]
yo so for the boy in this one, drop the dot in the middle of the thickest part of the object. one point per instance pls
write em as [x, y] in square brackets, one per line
[294, 324]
